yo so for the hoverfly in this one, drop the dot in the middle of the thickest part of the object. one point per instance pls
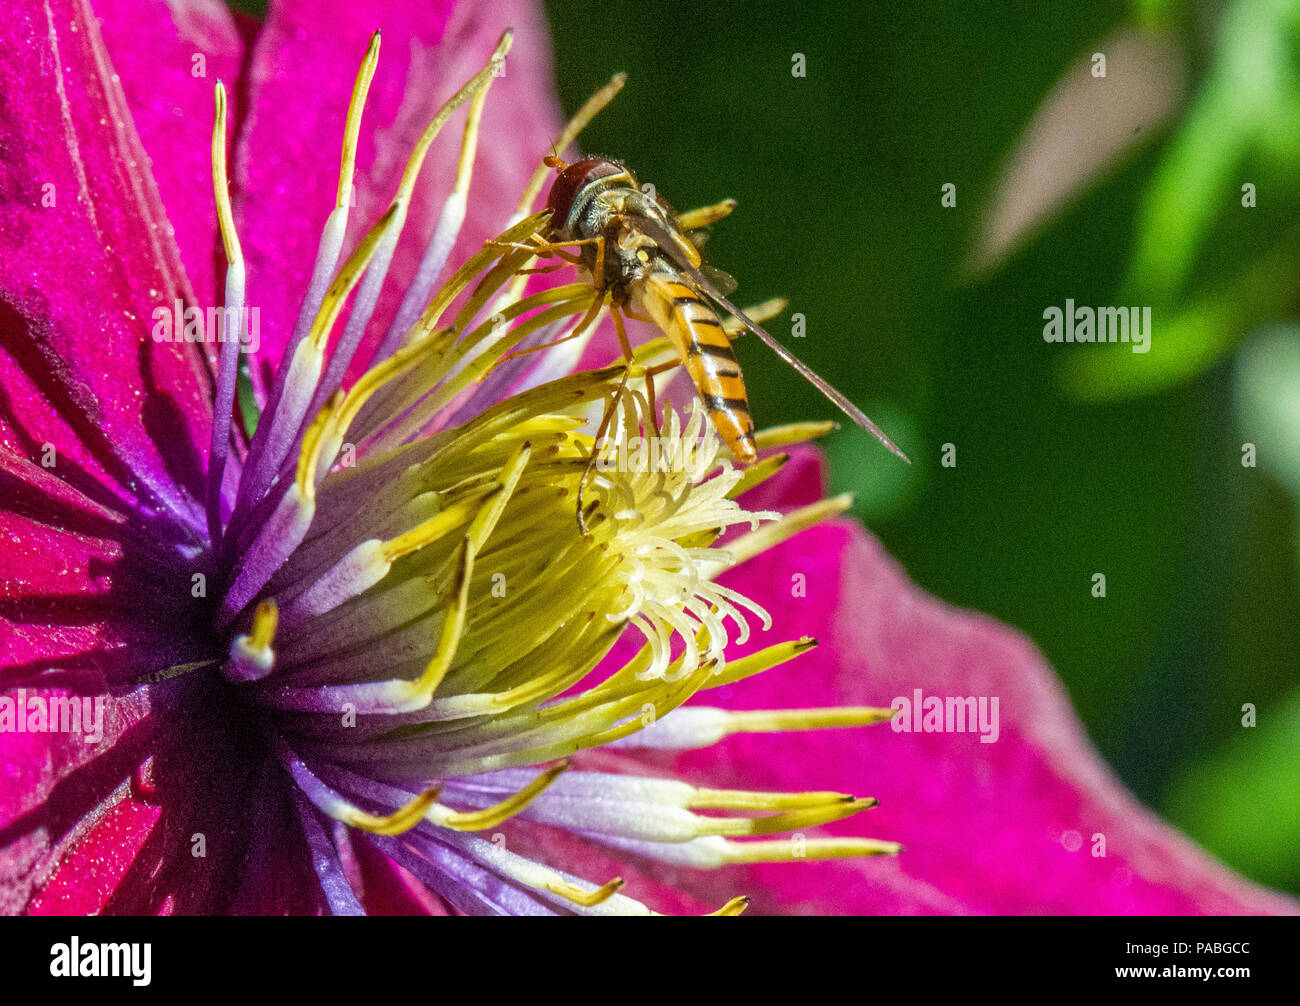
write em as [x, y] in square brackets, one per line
[642, 260]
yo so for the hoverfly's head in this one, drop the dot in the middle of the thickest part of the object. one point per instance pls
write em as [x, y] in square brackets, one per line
[570, 182]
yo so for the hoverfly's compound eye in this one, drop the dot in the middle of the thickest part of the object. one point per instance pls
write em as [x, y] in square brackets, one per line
[572, 179]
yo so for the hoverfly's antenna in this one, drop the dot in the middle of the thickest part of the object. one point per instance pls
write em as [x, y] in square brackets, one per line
[553, 159]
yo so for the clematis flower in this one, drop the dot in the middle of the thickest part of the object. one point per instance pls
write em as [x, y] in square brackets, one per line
[347, 626]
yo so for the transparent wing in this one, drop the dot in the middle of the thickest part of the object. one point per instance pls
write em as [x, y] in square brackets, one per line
[666, 243]
[724, 282]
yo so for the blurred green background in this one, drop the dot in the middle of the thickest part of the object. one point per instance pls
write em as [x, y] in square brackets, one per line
[1071, 460]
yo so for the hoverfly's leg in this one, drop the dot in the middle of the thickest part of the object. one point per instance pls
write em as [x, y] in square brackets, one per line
[623, 342]
[705, 215]
[568, 257]
[598, 274]
[590, 316]
[538, 269]
[650, 374]
[539, 250]
[626, 346]
[610, 409]
[550, 247]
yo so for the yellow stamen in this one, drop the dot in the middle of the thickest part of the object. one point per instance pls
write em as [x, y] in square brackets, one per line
[482, 510]
[305, 477]
[756, 473]
[764, 721]
[785, 850]
[403, 819]
[265, 620]
[733, 907]
[336, 417]
[221, 187]
[419, 693]
[477, 87]
[806, 817]
[743, 799]
[542, 687]
[769, 535]
[352, 126]
[663, 699]
[589, 110]
[792, 433]
[705, 215]
[438, 526]
[586, 899]
[482, 525]
[765, 659]
[567, 300]
[476, 264]
[490, 817]
[759, 313]
[346, 279]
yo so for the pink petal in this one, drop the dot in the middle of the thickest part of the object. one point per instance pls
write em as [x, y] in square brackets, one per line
[78, 590]
[1004, 827]
[95, 417]
[385, 888]
[649, 882]
[41, 816]
[302, 71]
[87, 878]
[801, 482]
[113, 829]
[169, 57]
[79, 279]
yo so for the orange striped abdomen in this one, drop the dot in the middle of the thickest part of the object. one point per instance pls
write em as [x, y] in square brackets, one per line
[697, 334]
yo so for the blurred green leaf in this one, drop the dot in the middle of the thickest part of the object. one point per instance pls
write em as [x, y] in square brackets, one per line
[1268, 401]
[1251, 100]
[1243, 803]
[1186, 341]
[1243, 126]
[1159, 13]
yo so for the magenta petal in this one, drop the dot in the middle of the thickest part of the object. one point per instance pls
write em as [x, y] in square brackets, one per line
[42, 815]
[85, 258]
[386, 888]
[169, 57]
[1004, 827]
[800, 483]
[73, 596]
[288, 157]
[32, 764]
[96, 418]
[87, 878]
[68, 844]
